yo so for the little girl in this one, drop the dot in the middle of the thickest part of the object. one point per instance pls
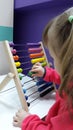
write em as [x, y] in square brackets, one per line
[58, 38]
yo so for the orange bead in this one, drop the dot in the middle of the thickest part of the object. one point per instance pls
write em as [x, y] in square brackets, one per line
[16, 58]
[36, 55]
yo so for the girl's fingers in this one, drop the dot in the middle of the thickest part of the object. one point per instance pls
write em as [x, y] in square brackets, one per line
[33, 75]
[34, 70]
[38, 64]
[17, 114]
[15, 124]
[20, 110]
[15, 119]
[35, 66]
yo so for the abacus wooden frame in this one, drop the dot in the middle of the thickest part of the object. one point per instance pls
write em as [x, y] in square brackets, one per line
[13, 74]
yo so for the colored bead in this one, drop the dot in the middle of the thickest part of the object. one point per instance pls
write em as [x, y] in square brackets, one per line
[11, 44]
[20, 77]
[44, 63]
[33, 61]
[18, 64]
[20, 70]
[16, 58]
[30, 73]
[13, 51]
[24, 90]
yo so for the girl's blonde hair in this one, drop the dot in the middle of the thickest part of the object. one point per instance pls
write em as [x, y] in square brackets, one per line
[58, 35]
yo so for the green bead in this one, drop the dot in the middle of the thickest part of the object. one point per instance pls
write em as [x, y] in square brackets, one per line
[70, 19]
[30, 73]
[20, 77]
[20, 70]
[44, 64]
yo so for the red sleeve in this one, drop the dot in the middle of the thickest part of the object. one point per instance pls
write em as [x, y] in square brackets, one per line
[33, 122]
[51, 75]
[53, 121]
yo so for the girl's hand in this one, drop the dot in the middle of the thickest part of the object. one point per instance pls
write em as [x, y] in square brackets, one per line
[19, 117]
[37, 70]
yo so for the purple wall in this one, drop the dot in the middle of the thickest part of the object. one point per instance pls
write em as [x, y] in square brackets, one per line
[24, 3]
[30, 21]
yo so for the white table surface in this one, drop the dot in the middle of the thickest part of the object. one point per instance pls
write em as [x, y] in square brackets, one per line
[10, 103]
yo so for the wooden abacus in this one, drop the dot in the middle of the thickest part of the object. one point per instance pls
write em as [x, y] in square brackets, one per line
[31, 53]
[13, 68]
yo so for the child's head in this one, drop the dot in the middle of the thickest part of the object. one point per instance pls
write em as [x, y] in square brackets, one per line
[58, 38]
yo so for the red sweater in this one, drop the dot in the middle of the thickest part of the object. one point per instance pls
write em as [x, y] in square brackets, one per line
[51, 75]
[58, 117]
